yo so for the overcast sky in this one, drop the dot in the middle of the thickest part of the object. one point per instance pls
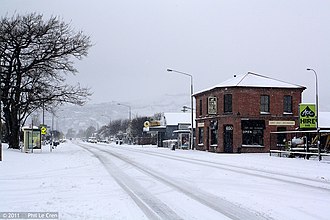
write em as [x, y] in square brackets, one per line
[136, 41]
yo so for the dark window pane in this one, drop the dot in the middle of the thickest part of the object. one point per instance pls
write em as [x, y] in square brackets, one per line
[253, 132]
[264, 103]
[287, 104]
[228, 106]
[200, 135]
[214, 132]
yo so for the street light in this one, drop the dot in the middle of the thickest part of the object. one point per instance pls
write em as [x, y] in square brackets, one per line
[130, 120]
[0, 115]
[192, 105]
[317, 112]
[129, 109]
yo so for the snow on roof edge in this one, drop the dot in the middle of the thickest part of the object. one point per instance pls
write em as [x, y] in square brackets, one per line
[237, 81]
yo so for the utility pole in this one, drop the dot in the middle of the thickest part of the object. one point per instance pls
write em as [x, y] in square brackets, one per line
[0, 114]
[192, 104]
[317, 113]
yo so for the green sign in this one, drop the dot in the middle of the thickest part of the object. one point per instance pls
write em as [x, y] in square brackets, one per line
[307, 116]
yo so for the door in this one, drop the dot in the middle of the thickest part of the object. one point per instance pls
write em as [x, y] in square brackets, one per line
[228, 138]
[160, 138]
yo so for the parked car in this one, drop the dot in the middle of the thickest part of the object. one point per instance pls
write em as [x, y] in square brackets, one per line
[119, 141]
[92, 140]
[104, 141]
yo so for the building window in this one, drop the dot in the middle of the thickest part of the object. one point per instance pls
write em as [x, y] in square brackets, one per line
[200, 135]
[287, 104]
[214, 132]
[264, 104]
[228, 106]
[253, 137]
[253, 132]
[201, 107]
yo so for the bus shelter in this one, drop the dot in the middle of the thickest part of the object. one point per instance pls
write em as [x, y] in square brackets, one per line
[32, 139]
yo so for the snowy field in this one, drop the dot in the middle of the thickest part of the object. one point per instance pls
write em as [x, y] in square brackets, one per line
[107, 181]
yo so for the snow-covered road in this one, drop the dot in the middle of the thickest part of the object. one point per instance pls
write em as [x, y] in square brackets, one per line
[108, 181]
[186, 195]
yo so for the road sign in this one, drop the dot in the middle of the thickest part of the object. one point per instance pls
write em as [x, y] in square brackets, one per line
[307, 116]
[43, 130]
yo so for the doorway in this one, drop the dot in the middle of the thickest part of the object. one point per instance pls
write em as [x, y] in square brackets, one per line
[228, 138]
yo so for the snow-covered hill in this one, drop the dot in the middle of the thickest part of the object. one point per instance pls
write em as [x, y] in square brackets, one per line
[97, 115]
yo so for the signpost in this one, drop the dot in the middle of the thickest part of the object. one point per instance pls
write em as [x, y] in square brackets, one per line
[43, 129]
[307, 116]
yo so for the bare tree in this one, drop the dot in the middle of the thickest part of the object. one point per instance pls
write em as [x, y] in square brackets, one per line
[137, 125]
[90, 131]
[35, 57]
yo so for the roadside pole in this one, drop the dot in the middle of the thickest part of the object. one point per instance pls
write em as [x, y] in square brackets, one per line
[0, 115]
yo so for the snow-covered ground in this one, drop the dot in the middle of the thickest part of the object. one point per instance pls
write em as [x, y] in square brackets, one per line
[108, 181]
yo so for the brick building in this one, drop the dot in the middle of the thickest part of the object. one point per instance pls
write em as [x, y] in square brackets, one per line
[239, 114]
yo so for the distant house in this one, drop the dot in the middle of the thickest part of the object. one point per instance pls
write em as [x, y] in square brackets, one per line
[239, 114]
[173, 126]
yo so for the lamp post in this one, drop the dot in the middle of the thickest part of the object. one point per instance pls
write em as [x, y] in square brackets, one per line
[192, 105]
[130, 119]
[129, 110]
[0, 115]
[317, 112]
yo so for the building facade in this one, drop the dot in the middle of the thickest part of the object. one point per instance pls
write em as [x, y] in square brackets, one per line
[172, 126]
[239, 114]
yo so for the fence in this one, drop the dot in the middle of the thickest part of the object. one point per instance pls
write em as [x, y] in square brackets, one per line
[300, 143]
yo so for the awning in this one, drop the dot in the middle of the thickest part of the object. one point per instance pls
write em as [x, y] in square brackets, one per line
[182, 131]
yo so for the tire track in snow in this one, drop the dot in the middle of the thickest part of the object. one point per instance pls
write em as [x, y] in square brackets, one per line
[152, 207]
[291, 179]
[229, 209]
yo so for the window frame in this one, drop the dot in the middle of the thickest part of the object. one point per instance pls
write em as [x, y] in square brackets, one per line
[265, 104]
[200, 135]
[287, 104]
[228, 103]
[253, 133]
[214, 132]
[200, 107]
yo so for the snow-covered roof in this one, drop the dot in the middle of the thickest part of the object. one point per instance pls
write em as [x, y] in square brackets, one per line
[172, 118]
[324, 119]
[251, 79]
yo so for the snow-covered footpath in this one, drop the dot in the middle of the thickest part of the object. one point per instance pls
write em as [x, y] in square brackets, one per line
[67, 180]
[75, 183]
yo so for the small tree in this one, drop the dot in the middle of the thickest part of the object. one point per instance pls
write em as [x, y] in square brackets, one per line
[115, 127]
[81, 133]
[71, 133]
[35, 55]
[90, 131]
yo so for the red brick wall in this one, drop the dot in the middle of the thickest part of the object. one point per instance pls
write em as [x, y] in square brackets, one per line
[246, 104]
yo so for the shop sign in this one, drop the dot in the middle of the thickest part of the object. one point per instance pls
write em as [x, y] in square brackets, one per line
[200, 124]
[282, 123]
[212, 105]
[148, 124]
[154, 123]
[307, 116]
